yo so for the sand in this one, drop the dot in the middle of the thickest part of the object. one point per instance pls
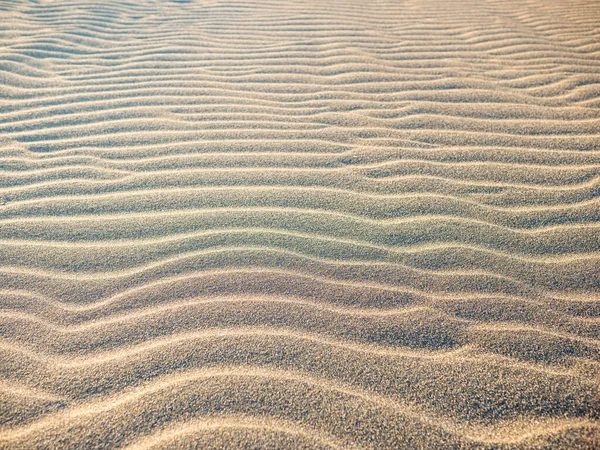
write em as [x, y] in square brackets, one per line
[300, 224]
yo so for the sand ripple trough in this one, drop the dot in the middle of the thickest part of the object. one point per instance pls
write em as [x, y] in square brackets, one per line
[300, 224]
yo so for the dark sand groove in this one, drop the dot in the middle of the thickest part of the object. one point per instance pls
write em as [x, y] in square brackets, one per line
[300, 224]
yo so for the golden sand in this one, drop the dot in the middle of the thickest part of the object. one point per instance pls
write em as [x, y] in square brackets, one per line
[300, 224]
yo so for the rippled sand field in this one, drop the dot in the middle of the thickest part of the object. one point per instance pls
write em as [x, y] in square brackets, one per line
[300, 224]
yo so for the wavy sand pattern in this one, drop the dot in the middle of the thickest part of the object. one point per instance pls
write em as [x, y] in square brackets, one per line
[300, 224]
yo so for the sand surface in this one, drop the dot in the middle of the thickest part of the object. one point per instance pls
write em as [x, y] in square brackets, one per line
[298, 224]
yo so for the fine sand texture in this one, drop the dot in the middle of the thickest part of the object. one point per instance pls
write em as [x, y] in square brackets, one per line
[300, 224]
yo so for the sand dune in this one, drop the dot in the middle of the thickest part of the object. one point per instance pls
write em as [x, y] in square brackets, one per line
[299, 224]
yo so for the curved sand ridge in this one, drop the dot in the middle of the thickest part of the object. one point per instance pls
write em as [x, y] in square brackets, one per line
[299, 224]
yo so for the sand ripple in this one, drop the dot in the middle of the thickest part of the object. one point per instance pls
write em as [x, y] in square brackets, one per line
[299, 224]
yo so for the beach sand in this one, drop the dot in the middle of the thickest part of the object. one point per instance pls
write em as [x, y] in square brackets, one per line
[300, 224]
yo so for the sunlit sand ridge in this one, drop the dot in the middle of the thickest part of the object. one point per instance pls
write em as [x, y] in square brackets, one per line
[299, 224]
